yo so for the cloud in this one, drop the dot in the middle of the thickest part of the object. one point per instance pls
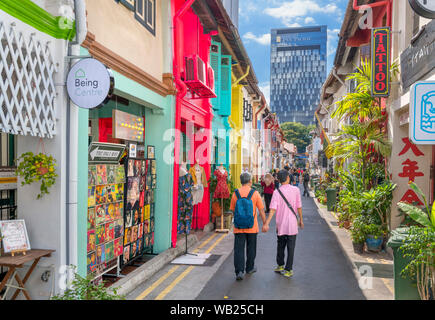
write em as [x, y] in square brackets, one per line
[309, 20]
[265, 88]
[332, 41]
[291, 10]
[263, 39]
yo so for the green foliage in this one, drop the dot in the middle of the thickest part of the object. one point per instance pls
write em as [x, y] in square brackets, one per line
[298, 134]
[84, 289]
[39, 167]
[357, 230]
[373, 229]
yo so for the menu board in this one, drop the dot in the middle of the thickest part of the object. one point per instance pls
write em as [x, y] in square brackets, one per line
[14, 235]
[105, 216]
[139, 217]
[127, 126]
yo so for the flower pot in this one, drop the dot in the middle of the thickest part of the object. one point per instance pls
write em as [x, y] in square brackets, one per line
[346, 224]
[374, 244]
[42, 170]
[358, 247]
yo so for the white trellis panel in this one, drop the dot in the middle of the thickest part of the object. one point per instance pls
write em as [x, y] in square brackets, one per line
[27, 89]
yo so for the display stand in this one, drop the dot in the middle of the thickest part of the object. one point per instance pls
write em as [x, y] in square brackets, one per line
[222, 229]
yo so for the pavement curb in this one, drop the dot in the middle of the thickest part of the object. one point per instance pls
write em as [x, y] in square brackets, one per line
[126, 285]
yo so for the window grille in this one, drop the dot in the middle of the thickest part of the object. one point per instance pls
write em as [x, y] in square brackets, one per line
[27, 90]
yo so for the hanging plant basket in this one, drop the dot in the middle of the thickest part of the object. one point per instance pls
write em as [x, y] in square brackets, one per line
[37, 167]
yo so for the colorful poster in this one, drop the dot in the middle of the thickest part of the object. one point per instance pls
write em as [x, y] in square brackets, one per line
[143, 168]
[119, 228]
[136, 216]
[100, 195]
[140, 231]
[142, 214]
[142, 183]
[126, 254]
[133, 250]
[151, 225]
[110, 251]
[92, 175]
[91, 196]
[91, 218]
[110, 212]
[130, 168]
[133, 236]
[153, 166]
[142, 199]
[146, 226]
[119, 209]
[14, 235]
[147, 241]
[127, 236]
[101, 234]
[118, 247]
[110, 231]
[133, 189]
[152, 238]
[92, 261]
[100, 214]
[101, 254]
[137, 168]
[140, 245]
[120, 174]
[119, 192]
[91, 240]
[111, 174]
[128, 218]
[147, 211]
[101, 174]
[111, 193]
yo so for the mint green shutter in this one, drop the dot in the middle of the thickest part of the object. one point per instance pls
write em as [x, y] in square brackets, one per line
[215, 62]
[225, 109]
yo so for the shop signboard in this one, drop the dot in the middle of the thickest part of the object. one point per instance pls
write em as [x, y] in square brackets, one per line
[89, 83]
[424, 8]
[8, 179]
[422, 113]
[417, 60]
[127, 126]
[14, 235]
[381, 62]
[99, 152]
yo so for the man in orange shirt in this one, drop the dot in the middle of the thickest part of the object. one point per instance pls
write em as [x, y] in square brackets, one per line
[248, 236]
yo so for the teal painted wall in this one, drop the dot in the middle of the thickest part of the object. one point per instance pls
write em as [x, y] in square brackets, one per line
[159, 115]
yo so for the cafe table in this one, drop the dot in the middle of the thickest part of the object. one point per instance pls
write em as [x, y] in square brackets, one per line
[18, 261]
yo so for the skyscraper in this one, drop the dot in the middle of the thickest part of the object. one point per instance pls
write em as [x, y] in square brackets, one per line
[297, 72]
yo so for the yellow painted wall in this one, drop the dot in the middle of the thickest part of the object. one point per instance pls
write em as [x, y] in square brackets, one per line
[115, 27]
[236, 122]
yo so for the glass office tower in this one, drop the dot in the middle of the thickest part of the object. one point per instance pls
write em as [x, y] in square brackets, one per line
[297, 72]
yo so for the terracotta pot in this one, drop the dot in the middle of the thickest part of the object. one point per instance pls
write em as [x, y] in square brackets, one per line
[346, 224]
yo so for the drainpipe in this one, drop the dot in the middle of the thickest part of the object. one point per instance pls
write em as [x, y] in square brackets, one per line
[71, 193]
[182, 91]
[242, 77]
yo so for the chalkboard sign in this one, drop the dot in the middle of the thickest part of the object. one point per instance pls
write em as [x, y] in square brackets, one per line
[14, 235]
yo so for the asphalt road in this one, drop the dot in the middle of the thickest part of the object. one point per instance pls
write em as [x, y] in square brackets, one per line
[320, 269]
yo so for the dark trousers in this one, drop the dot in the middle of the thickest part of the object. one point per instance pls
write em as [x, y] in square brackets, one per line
[240, 239]
[283, 242]
[267, 199]
[306, 188]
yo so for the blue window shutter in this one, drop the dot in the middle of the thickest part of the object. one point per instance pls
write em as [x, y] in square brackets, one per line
[215, 62]
[225, 109]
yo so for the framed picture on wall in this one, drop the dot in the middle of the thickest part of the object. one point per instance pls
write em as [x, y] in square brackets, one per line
[150, 152]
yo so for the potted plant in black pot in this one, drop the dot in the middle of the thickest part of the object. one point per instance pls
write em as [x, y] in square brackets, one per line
[358, 236]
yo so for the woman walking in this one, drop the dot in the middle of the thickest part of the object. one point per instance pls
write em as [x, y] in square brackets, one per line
[268, 185]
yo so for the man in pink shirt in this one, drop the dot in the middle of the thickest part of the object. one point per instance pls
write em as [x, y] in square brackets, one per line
[286, 221]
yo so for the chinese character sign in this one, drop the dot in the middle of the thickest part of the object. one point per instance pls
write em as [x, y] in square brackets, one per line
[410, 169]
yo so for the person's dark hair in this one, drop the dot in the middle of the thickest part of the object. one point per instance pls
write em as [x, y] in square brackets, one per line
[282, 176]
[287, 168]
[245, 178]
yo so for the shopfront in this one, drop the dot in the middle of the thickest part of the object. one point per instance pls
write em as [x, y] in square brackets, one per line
[193, 117]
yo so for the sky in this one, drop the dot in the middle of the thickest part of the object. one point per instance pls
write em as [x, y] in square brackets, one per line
[258, 17]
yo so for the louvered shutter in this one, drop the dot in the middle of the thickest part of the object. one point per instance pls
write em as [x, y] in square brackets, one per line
[225, 87]
[215, 62]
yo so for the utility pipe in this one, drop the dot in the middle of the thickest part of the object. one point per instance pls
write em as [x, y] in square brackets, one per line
[81, 31]
[242, 77]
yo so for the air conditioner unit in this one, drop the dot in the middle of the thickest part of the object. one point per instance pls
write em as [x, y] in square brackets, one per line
[199, 77]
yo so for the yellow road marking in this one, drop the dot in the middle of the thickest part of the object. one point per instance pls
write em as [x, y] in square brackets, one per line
[171, 271]
[205, 242]
[169, 288]
[388, 286]
[156, 284]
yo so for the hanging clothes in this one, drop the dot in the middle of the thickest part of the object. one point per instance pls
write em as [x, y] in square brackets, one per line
[222, 191]
[200, 182]
[185, 203]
